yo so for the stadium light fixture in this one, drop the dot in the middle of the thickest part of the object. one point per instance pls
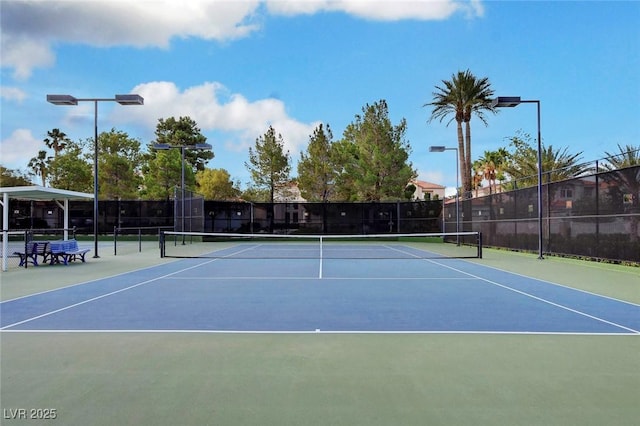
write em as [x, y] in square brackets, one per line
[129, 99]
[440, 148]
[512, 101]
[62, 100]
[182, 148]
[68, 100]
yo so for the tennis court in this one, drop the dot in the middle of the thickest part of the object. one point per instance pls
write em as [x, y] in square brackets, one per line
[382, 324]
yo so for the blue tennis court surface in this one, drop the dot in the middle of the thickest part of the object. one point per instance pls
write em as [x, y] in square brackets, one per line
[321, 295]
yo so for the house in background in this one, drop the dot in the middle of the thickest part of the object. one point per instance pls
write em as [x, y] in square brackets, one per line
[427, 191]
[290, 192]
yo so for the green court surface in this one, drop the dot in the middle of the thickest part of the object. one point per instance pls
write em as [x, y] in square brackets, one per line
[164, 378]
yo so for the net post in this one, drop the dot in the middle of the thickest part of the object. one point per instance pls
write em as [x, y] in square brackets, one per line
[161, 240]
[115, 240]
[479, 245]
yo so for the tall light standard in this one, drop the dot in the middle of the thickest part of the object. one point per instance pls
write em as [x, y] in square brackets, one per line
[128, 99]
[439, 148]
[182, 148]
[512, 101]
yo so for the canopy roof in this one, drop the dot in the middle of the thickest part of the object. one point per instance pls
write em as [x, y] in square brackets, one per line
[42, 193]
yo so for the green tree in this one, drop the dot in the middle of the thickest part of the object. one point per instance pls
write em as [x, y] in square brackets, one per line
[316, 169]
[460, 99]
[10, 177]
[162, 174]
[522, 165]
[72, 170]
[626, 156]
[478, 175]
[269, 165]
[119, 166]
[184, 132]
[40, 166]
[374, 156]
[409, 191]
[56, 140]
[216, 184]
[257, 195]
[162, 169]
[491, 167]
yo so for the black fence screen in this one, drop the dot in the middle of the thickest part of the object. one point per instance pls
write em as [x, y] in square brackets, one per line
[595, 216]
[323, 218]
[196, 214]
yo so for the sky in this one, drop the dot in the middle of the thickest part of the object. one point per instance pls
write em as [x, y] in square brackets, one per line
[237, 67]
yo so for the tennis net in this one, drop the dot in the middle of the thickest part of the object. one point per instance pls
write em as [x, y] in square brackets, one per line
[290, 246]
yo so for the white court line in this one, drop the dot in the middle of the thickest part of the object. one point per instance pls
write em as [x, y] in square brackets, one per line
[566, 286]
[84, 282]
[293, 332]
[102, 296]
[321, 260]
[532, 296]
[472, 276]
[237, 277]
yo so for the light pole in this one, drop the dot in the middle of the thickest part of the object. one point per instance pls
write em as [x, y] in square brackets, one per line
[128, 99]
[182, 148]
[512, 101]
[439, 148]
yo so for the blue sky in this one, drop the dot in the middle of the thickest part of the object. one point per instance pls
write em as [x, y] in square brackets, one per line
[238, 67]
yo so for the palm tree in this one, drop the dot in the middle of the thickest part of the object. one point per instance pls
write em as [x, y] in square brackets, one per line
[478, 175]
[39, 165]
[460, 99]
[522, 165]
[561, 164]
[627, 156]
[56, 140]
[493, 163]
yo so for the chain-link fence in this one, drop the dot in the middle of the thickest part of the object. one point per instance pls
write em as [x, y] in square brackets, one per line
[594, 216]
[323, 218]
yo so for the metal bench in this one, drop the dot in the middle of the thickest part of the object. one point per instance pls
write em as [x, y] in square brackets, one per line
[33, 250]
[65, 251]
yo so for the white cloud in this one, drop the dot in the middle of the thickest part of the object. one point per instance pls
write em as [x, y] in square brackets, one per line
[382, 10]
[30, 29]
[12, 94]
[18, 148]
[235, 120]
[213, 108]
[24, 53]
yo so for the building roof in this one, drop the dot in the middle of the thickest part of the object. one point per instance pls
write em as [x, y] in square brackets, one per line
[427, 185]
[41, 193]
